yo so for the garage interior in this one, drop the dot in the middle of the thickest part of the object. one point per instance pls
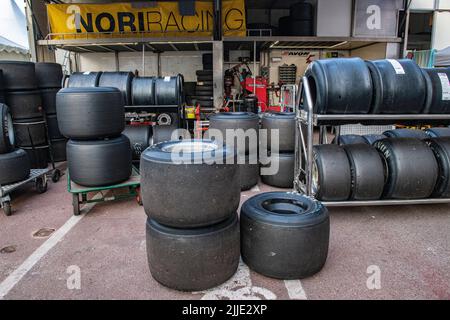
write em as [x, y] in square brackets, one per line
[72, 242]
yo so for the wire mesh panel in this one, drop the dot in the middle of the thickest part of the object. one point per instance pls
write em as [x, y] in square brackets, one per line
[363, 130]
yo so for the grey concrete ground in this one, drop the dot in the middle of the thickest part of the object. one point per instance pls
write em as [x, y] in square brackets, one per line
[408, 245]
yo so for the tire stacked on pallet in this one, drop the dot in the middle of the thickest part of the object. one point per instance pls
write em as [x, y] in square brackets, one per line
[49, 77]
[23, 97]
[192, 227]
[284, 235]
[97, 153]
[14, 163]
[119, 80]
[239, 126]
[280, 128]
[300, 21]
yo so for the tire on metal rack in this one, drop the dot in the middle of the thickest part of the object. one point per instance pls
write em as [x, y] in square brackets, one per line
[438, 132]
[7, 138]
[192, 191]
[399, 86]
[24, 104]
[301, 28]
[284, 177]
[203, 88]
[294, 227]
[406, 133]
[14, 167]
[372, 138]
[140, 139]
[84, 79]
[441, 150]
[351, 91]
[246, 121]
[367, 172]
[38, 155]
[48, 74]
[103, 105]
[30, 132]
[193, 259]
[412, 169]
[331, 173]
[346, 139]
[284, 122]
[18, 75]
[49, 100]
[169, 90]
[249, 172]
[119, 80]
[99, 162]
[143, 91]
[437, 80]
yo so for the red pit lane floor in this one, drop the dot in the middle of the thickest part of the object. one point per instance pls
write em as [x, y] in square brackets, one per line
[408, 245]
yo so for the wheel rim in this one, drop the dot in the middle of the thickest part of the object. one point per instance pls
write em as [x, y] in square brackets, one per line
[315, 178]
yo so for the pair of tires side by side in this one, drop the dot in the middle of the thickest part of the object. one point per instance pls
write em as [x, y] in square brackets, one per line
[99, 162]
[351, 172]
[396, 133]
[90, 113]
[189, 184]
[284, 235]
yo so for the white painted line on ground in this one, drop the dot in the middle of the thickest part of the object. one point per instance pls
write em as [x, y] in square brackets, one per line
[11, 281]
[295, 289]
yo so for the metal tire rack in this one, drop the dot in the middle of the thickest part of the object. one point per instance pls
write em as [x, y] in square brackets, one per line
[306, 120]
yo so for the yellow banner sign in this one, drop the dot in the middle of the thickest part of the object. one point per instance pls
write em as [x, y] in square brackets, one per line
[142, 19]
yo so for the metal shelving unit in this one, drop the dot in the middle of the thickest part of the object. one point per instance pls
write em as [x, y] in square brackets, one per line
[307, 120]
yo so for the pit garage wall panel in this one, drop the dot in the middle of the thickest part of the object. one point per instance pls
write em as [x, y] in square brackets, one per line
[372, 52]
[172, 63]
[440, 37]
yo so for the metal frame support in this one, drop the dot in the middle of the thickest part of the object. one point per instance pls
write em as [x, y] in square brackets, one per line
[217, 25]
[218, 73]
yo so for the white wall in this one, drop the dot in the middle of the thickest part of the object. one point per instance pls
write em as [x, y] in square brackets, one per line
[334, 18]
[186, 63]
[440, 37]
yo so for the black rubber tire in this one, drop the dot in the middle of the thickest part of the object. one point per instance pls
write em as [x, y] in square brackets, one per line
[49, 100]
[301, 28]
[438, 132]
[84, 79]
[35, 128]
[224, 121]
[59, 150]
[410, 166]
[53, 129]
[99, 163]
[164, 133]
[193, 259]
[140, 138]
[14, 167]
[372, 138]
[351, 92]
[332, 173]
[284, 178]
[189, 195]
[204, 88]
[284, 122]
[48, 75]
[7, 138]
[103, 105]
[397, 93]
[251, 105]
[205, 83]
[24, 104]
[204, 73]
[39, 156]
[301, 11]
[205, 78]
[367, 170]
[204, 94]
[350, 139]
[18, 75]
[435, 102]
[406, 133]
[208, 67]
[119, 80]
[249, 172]
[206, 103]
[168, 90]
[441, 150]
[284, 235]
[143, 91]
